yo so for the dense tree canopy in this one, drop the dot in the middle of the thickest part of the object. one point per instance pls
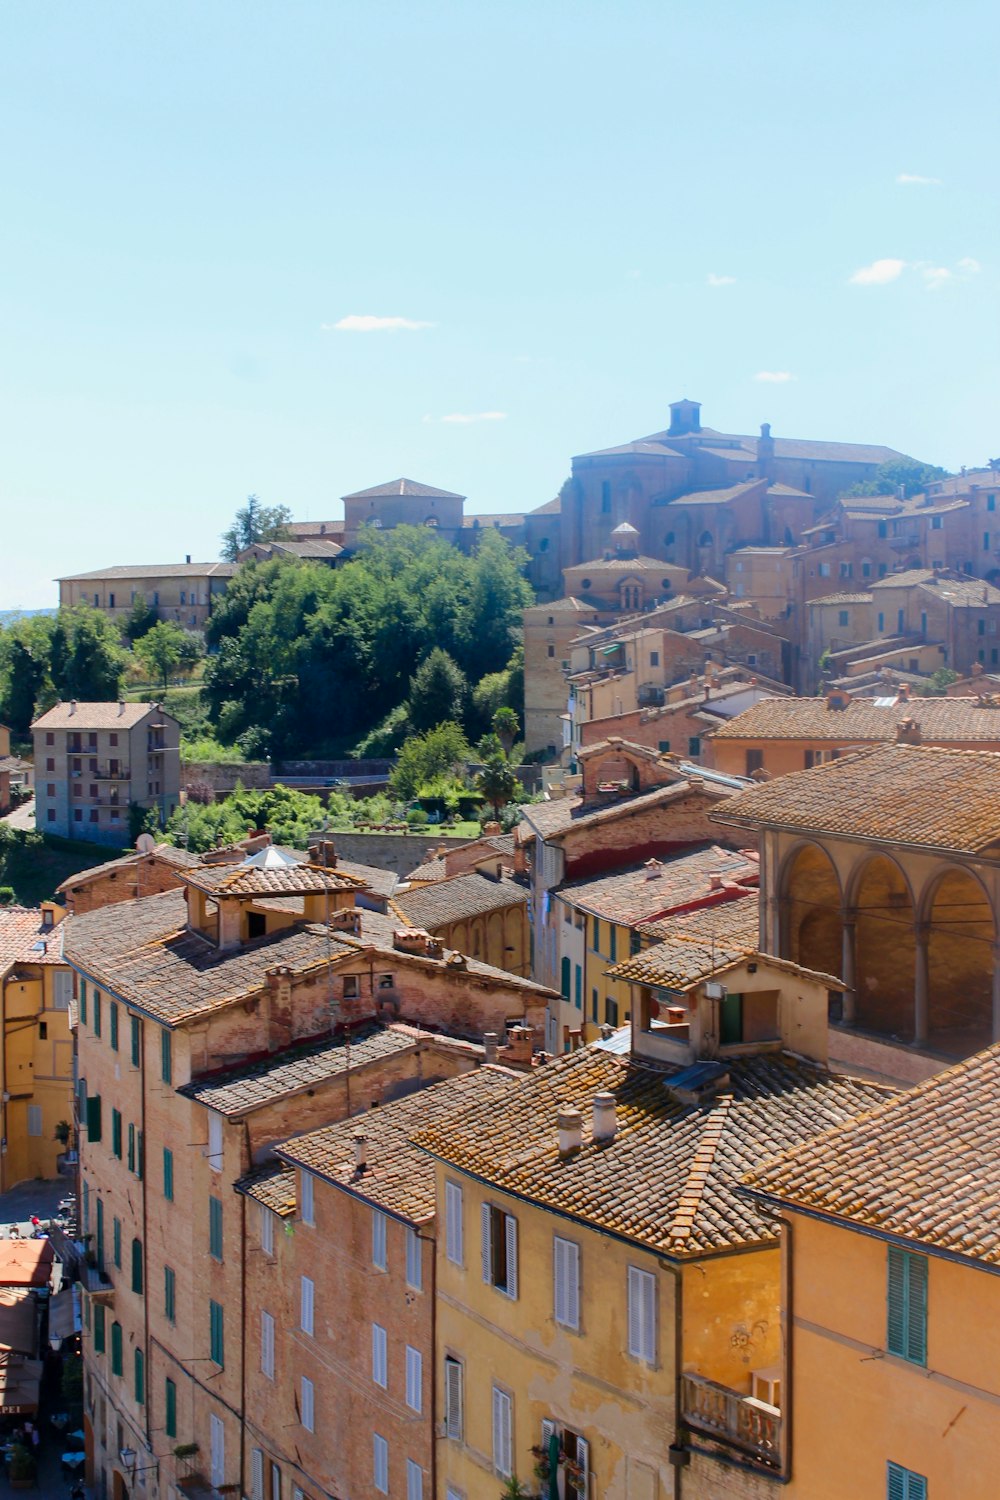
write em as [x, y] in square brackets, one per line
[906, 474]
[321, 656]
[76, 653]
[255, 523]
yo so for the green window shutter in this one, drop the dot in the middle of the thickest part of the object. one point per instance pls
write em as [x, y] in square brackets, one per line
[564, 979]
[664, 745]
[137, 1266]
[916, 1310]
[116, 1133]
[140, 1378]
[166, 1058]
[131, 1148]
[170, 1408]
[578, 987]
[597, 934]
[97, 1012]
[99, 1329]
[83, 1002]
[116, 1349]
[614, 942]
[904, 1484]
[916, 1488]
[216, 1334]
[100, 1234]
[113, 1022]
[168, 1174]
[116, 1242]
[93, 1117]
[215, 1228]
[140, 1155]
[135, 1040]
[169, 1294]
[731, 1020]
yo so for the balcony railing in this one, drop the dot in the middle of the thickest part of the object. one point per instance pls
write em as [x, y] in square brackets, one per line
[741, 1421]
[97, 1283]
[110, 773]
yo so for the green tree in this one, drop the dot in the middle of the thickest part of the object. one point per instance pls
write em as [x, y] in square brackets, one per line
[141, 617]
[161, 650]
[87, 657]
[498, 782]
[442, 751]
[506, 727]
[906, 474]
[437, 691]
[255, 523]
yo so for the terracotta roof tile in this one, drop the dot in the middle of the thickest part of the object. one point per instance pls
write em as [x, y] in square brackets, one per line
[23, 939]
[552, 820]
[246, 879]
[924, 1166]
[462, 896]
[669, 1179]
[912, 794]
[164, 853]
[403, 487]
[645, 891]
[944, 720]
[271, 1185]
[97, 715]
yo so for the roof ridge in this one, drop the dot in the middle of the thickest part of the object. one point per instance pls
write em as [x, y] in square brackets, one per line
[701, 1165]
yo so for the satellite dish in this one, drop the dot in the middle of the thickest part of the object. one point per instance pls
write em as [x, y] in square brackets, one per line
[145, 843]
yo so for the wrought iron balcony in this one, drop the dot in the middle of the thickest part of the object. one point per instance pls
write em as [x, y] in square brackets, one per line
[740, 1421]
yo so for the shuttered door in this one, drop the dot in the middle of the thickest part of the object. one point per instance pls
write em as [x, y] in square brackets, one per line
[453, 1398]
[218, 1451]
[502, 1429]
[256, 1475]
[487, 1244]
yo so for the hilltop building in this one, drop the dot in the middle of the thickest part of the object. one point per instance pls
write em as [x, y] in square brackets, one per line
[182, 592]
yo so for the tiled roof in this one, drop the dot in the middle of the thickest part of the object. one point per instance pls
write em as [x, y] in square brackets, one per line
[23, 939]
[494, 520]
[247, 879]
[569, 604]
[431, 870]
[271, 1185]
[403, 487]
[156, 570]
[669, 1179]
[801, 448]
[462, 896]
[377, 882]
[735, 922]
[237, 1091]
[683, 961]
[398, 1177]
[924, 1166]
[143, 952]
[550, 508]
[717, 497]
[163, 853]
[84, 716]
[841, 599]
[644, 891]
[940, 719]
[311, 547]
[620, 564]
[911, 794]
[552, 820]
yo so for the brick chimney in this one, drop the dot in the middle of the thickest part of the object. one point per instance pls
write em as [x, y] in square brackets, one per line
[765, 452]
[908, 732]
[569, 1129]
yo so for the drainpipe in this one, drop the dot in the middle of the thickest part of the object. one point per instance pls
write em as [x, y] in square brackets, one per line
[243, 1341]
[679, 1453]
[142, 1161]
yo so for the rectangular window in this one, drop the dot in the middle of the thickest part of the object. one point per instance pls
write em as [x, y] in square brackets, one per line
[642, 1315]
[904, 1484]
[168, 1174]
[842, 617]
[308, 1404]
[99, 1327]
[380, 1464]
[215, 1228]
[380, 1356]
[83, 1002]
[134, 1026]
[454, 1381]
[454, 1226]
[116, 1133]
[610, 1011]
[117, 1365]
[215, 1141]
[306, 1207]
[170, 1408]
[267, 1345]
[597, 935]
[566, 1283]
[414, 1480]
[380, 1254]
[137, 1266]
[307, 1298]
[664, 745]
[97, 1012]
[216, 1334]
[499, 1249]
[113, 1025]
[613, 953]
[266, 1230]
[93, 1117]
[414, 1260]
[578, 986]
[131, 1148]
[116, 1241]
[503, 1433]
[140, 1378]
[414, 1379]
[169, 1294]
[166, 1057]
[694, 745]
[907, 1305]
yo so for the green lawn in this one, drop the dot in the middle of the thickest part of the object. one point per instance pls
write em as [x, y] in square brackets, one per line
[34, 870]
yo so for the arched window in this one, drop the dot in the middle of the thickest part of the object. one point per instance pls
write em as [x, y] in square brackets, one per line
[705, 540]
[668, 540]
[431, 521]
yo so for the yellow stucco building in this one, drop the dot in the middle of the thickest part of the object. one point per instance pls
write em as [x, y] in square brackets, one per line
[36, 1061]
[608, 1304]
[891, 1250]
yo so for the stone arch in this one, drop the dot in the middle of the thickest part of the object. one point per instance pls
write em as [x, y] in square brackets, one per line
[811, 910]
[961, 931]
[885, 947]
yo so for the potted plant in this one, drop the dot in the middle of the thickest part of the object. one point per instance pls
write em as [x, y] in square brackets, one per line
[21, 1468]
[63, 1132]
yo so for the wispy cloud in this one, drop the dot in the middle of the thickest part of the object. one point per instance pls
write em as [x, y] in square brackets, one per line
[370, 323]
[774, 377]
[463, 418]
[914, 179]
[714, 280]
[879, 272]
[935, 276]
[968, 266]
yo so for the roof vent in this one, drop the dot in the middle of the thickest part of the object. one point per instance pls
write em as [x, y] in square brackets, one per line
[653, 868]
[569, 1126]
[360, 1151]
[605, 1126]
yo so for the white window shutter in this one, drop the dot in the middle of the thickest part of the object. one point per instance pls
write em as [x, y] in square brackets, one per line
[414, 1264]
[379, 1360]
[502, 1433]
[256, 1474]
[583, 1460]
[649, 1319]
[266, 1230]
[267, 1345]
[548, 1428]
[642, 1315]
[414, 1378]
[414, 1481]
[572, 1285]
[453, 1398]
[215, 1141]
[510, 1229]
[453, 1204]
[485, 1218]
[379, 1250]
[307, 1305]
[380, 1458]
[308, 1405]
[634, 1314]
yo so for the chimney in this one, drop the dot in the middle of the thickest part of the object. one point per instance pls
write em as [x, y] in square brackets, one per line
[714, 880]
[653, 868]
[765, 452]
[605, 1124]
[121, 706]
[322, 851]
[72, 705]
[908, 732]
[187, 558]
[360, 1151]
[569, 1124]
[491, 1043]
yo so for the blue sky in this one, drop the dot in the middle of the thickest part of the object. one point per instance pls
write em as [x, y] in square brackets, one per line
[595, 209]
